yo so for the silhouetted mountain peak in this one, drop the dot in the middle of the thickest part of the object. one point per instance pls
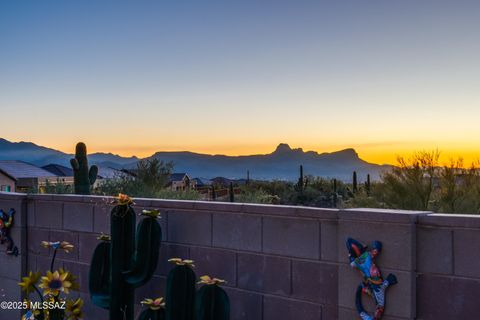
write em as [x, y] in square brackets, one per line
[284, 148]
[349, 153]
[281, 164]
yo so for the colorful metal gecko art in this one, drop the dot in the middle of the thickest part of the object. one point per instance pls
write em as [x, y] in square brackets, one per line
[362, 258]
[6, 222]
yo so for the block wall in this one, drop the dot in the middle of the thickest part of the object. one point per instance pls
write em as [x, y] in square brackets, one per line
[279, 262]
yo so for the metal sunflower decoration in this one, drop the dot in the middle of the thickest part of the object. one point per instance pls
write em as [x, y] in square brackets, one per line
[52, 289]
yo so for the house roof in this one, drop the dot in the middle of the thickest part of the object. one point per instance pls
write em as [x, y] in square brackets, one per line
[59, 170]
[110, 173]
[202, 181]
[17, 169]
[221, 180]
[177, 176]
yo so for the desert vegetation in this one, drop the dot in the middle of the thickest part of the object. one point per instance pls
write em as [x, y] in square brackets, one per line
[417, 182]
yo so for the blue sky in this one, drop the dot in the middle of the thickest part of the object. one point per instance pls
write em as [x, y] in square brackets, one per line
[238, 77]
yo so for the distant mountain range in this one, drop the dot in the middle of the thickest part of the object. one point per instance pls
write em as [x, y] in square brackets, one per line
[283, 163]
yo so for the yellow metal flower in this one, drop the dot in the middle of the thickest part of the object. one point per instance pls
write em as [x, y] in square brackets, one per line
[154, 213]
[207, 280]
[104, 237]
[54, 283]
[180, 262]
[31, 314]
[74, 309]
[154, 304]
[28, 283]
[64, 245]
[70, 278]
[123, 200]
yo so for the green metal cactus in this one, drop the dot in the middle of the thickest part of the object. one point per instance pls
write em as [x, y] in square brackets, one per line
[211, 302]
[181, 287]
[83, 177]
[150, 314]
[155, 311]
[125, 261]
[183, 302]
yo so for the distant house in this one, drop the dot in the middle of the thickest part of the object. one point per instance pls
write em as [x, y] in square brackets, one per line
[180, 182]
[7, 182]
[21, 176]
[111, 173]
[202, 182]
[64, 174]
[108, 173]
[221, 181]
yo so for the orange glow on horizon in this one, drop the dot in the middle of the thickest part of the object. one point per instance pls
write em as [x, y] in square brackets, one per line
[372, 154]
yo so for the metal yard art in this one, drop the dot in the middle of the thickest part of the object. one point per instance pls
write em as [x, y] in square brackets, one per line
[6, 223]
[362, 258]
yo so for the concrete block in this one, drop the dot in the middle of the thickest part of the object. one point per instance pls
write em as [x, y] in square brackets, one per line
[466, 248]
[286, 236]
[434, 250]
[315, 282]
[446, 298]
[264, 273]
[217, 263]
[245, 305]
[288, 309]
[48, 214]
[190, 227]
[237, 231]
[328, 240]
[78, 217]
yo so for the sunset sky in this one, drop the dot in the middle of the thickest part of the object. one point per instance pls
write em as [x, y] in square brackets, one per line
[239, 77]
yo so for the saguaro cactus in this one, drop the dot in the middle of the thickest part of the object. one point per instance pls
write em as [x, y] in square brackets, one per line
[83, 177]
[125, 261]
[180, 299]
[214, 193]
[301, 181]
[231, 192]
[354, 182]
[335, 195]
[368, 185]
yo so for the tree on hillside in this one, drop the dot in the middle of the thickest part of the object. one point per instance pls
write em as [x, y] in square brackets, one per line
[151, 176]
[410, 184]
[153, 173]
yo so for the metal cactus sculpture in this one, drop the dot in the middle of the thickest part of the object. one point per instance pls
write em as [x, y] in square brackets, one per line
[183, 302]
[155, 311]
[125, 260]
[83, 177]
[180, 299]
[6, 223]
[211, 302]
[373, 283]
